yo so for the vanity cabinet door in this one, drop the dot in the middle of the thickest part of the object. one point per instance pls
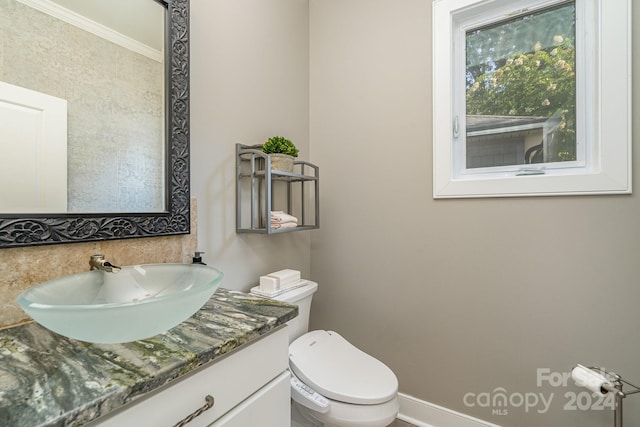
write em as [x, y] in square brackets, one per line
[230, 380]
[268, 407]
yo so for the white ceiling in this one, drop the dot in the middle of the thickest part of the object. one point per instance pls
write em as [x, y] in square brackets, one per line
[141, 20]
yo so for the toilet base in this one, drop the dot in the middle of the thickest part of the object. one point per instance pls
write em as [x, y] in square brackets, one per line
[346, 415]
[300, 418]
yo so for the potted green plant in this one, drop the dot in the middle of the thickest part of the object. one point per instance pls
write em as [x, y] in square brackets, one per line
[282, 152]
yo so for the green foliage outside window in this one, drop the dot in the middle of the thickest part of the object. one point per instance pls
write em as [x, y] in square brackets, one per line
[526, 67]
[539, 83]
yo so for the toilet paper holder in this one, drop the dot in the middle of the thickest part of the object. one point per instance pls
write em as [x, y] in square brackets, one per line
[599, 380]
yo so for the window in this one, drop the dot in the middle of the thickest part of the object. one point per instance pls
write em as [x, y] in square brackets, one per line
[531, 97]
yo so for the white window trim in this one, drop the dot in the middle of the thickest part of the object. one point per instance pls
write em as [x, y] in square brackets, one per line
[609, 171]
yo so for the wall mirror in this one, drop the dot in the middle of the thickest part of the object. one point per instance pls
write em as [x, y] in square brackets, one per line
[94, 143]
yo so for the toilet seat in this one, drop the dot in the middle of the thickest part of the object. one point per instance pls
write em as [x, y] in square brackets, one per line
[333, 367]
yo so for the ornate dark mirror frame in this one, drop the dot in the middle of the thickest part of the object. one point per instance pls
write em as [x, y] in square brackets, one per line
[46, 229]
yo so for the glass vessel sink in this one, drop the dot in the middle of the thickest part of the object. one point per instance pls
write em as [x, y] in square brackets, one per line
[136, 303]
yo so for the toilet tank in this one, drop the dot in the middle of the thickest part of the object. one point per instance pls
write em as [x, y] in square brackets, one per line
[300, 296]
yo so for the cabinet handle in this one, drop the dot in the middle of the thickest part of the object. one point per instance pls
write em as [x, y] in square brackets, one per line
[210, 401]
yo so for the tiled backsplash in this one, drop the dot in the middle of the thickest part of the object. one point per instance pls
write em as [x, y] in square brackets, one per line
[21, 268]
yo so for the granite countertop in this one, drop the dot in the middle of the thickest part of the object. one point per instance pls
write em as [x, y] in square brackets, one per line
[49, 380]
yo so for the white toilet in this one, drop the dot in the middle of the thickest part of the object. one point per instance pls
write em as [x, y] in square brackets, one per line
[334, 384]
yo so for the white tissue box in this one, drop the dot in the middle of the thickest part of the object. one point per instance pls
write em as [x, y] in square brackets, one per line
[283, 278]
[269, 284]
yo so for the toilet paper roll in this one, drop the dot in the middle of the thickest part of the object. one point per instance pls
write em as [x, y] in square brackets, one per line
[590, 379]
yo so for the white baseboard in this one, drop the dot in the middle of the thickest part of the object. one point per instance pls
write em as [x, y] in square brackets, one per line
[425, 414]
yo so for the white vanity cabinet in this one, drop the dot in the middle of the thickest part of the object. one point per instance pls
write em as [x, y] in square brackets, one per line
[250, 387]
[264, 408]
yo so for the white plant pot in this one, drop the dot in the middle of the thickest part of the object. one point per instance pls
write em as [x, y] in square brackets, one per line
[282, 162]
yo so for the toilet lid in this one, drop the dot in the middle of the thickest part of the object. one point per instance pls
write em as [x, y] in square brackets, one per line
[336, 369]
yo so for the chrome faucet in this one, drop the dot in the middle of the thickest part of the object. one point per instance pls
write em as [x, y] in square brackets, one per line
[97, 262]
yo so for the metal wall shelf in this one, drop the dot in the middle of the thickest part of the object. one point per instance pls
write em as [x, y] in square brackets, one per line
[261, 190]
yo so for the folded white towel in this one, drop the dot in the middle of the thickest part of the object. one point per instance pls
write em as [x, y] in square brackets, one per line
[280, 216]
[277, 225]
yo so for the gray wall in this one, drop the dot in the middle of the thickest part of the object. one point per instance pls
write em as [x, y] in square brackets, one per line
[249, 81]
[456, 296]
